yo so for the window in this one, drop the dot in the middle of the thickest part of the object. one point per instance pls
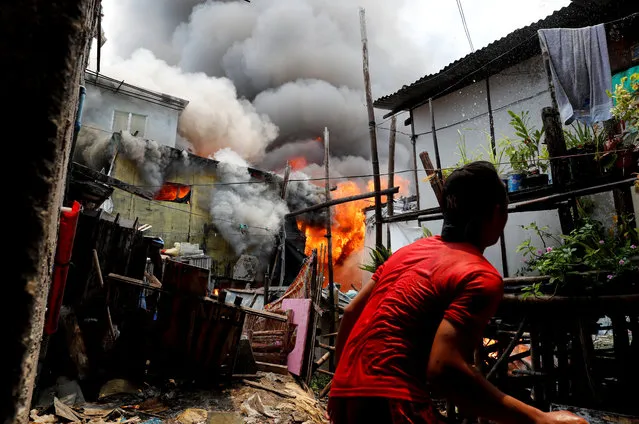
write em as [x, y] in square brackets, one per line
[174, 192]
[131, 122]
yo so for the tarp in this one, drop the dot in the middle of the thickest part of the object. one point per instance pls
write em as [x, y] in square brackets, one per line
[66, 235]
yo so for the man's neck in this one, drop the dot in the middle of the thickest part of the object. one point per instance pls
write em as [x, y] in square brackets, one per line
[455, 234]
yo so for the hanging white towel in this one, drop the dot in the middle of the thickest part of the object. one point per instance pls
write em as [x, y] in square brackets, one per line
[580, 71]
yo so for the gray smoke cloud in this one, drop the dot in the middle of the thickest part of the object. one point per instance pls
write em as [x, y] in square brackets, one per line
[292, 65]
[248, 215]
[96, 149]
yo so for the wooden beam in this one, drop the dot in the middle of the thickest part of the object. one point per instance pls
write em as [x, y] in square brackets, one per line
[334, 202]
[264, 314]
[110, 181]
[269, 389]
[275, 368]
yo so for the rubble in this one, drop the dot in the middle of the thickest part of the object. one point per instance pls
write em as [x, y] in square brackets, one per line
[272, 398]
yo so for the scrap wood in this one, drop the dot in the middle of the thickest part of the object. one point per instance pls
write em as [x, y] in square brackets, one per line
[326, 389]
[268, 389]
[62, 410]
[35, 418]
[275, 368]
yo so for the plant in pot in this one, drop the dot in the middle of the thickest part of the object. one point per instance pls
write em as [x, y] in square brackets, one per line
[621, 149]
[592, 258]
[585, 145]
[528, 156]
[465, 156]
[497, 156]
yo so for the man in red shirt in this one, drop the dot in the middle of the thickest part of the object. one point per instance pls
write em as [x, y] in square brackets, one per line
[414, 326]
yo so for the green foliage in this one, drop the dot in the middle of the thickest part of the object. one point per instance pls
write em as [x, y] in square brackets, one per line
[426, 232]
[378, 256]
[319, 381]
[626, 109]
[465, 156]
[526, 152]
[590, 247]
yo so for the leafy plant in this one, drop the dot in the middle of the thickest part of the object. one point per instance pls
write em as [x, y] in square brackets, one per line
[378, 256]
[526, 152]
[496, 157]
[626, 109]
[426, 232]
[590, 247]
[465, 157]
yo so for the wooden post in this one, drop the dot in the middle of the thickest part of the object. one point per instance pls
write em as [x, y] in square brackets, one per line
[372, 131]
[329, 241]
[435, 181]
[391, 175]
[435, 144]
[99, 46]
[554, 137]
[287, 174]
[413, 140]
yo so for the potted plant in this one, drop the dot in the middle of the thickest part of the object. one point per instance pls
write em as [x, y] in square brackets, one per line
[584, 146]
[622, 148]
[465, 157]
[528, 157]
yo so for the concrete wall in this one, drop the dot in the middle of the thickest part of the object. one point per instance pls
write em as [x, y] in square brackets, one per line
[522, 87]
[100, 105]
[46, 42]
[174, 222]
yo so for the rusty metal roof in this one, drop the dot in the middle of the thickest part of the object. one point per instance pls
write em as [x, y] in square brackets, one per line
[515, 47]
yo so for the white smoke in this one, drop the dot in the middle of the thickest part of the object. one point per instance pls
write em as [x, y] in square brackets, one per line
[248, 215]
[215, 117]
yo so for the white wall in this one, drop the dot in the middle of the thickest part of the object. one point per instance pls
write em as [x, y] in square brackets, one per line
[99, 105]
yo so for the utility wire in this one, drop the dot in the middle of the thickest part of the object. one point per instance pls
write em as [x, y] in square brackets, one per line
[463, 19]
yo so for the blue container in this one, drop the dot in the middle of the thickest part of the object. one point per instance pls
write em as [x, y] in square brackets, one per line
[514, 182]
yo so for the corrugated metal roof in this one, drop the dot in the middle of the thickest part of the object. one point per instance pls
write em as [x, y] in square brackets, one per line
[515, 47]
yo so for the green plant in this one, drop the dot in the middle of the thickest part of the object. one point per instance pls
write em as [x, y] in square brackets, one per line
[496, 156]
[626, 109]
[378, 256]
[589, 247]
[526, 152]
[465, 157]
[426, 232]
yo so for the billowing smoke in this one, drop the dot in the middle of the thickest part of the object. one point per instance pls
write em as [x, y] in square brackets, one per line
[249, 69]
[248, 215]
[96, 149]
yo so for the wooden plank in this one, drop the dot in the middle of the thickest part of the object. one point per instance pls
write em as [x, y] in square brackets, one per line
[110, 181]
[595, 416]
[275, 368]
[268, 389]
[327, 347]
[264, 314]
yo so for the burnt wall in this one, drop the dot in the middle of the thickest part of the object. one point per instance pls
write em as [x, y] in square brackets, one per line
[43, 44]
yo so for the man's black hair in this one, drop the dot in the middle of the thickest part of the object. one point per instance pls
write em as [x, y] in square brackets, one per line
[469, 197]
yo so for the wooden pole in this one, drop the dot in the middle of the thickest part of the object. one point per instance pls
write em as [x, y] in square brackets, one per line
[435, 181]
[329, 241]
[391, 175]
[287, 174]
[98, 59]
[334, 202]
[372, 130]
[435, 144]
[413, 139]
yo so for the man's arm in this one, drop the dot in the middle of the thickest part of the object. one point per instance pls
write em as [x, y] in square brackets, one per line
[449, 372]
[351, 313]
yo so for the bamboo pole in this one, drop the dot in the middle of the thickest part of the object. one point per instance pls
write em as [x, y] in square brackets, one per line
[372, 130]
[413, 140]
[435, 144]
[329, 241]
[334, 202]
[391, 175]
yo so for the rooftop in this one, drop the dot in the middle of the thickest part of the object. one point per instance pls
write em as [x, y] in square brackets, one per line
[515, 47]
[120, 86]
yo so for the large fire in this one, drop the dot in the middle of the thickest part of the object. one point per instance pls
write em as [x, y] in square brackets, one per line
[298, 163]
[348, 232]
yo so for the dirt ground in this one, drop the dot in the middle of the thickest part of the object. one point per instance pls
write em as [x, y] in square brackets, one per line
[271, 398]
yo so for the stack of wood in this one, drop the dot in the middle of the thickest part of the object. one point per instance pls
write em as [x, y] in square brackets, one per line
[273, 346]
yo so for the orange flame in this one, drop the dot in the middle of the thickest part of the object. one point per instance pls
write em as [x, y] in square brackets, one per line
[298, 163]
[348, 232]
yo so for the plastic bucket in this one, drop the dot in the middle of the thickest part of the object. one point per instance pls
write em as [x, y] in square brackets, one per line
[514, 182]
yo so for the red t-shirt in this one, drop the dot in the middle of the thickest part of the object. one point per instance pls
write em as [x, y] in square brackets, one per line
[386, 354]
